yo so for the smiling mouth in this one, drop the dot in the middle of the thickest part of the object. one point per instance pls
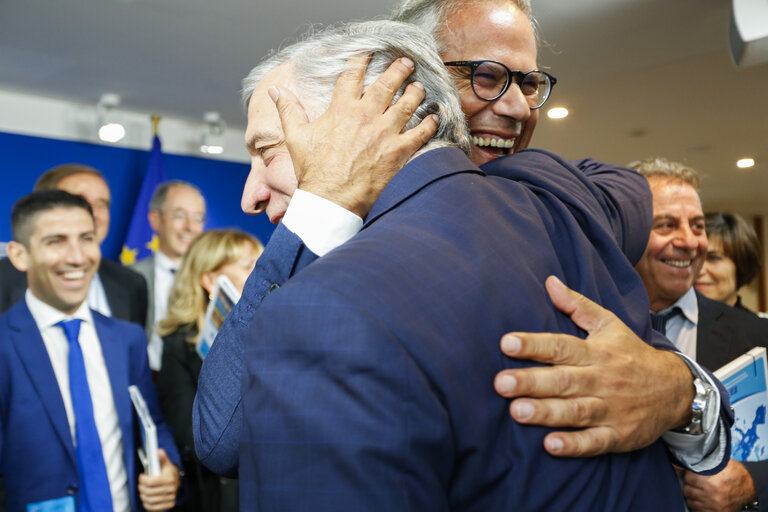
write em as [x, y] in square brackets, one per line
[73, 275]
[678, 263]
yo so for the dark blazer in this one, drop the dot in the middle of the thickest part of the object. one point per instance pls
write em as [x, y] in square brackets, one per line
[37, 456]
[723, 334]
[368, 374]
[126, 291]
[176, 388]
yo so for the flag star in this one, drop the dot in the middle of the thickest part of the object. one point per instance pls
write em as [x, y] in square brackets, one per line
[154, 244]
[128, 256]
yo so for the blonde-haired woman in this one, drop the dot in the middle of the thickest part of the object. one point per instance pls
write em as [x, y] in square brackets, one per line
[215, 252]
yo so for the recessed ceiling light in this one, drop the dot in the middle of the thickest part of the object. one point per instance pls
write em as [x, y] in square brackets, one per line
[745, 163]
[557, 113]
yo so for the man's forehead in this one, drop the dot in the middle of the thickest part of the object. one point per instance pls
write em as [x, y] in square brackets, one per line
[263, 118]
[62, 220]
[83, 180]
[488, 30]
[181, 195]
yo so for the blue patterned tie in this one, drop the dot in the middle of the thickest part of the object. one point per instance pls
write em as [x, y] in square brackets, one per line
[95, 495]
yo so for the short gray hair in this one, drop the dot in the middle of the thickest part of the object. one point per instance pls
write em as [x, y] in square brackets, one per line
[319, 58]
[161, 192]
[430, 15]
[665, 168]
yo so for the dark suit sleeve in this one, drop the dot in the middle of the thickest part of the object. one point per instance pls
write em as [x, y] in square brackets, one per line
[126, 292]
[13, 284]
[217, 414]
[626, 199]
[622, 194]
[338, 416]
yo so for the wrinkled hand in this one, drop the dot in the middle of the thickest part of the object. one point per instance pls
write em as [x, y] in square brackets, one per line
[620, 391]
[728, 490]
[159, 492]
[349, 153]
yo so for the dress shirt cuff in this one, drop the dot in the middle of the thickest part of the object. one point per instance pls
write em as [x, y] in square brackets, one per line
[321, 224]
[704, 451]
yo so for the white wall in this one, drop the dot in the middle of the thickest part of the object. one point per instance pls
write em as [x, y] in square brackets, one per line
[58, 119]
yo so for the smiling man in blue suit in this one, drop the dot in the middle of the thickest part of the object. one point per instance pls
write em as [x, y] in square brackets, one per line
[368, 374]
[66, 421]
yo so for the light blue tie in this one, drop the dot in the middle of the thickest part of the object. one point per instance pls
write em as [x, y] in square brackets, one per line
[95, 495]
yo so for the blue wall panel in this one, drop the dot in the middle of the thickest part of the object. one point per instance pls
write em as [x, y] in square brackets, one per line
[24, 158]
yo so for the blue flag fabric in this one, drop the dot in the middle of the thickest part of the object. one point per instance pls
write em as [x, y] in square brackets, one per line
[141, 242]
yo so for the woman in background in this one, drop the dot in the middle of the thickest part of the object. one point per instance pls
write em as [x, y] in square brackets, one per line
[216, 252]
[733, 258]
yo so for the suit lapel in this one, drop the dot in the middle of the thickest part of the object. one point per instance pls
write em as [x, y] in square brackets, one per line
[711, 339]
[112, 289]
[25, 337]
[417, 174]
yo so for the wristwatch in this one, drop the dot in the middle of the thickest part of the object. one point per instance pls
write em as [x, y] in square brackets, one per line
[700, 399]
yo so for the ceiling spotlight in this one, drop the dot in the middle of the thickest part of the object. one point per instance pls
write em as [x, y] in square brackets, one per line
[212, 139]
[108, 129]
[745, 163]
[557, 113]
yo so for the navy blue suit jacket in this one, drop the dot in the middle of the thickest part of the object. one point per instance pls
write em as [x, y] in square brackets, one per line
[37, 456]
[368, 377]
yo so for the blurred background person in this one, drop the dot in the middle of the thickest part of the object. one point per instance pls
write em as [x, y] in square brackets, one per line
[732, 261]
[216, 252]
[177, 216]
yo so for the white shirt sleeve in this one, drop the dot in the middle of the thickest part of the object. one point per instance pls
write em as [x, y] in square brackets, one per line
[704, 451]
[321, 224]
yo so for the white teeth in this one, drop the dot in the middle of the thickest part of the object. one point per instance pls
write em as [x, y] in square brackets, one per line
[494, 143]
[678, 263]
[74, 274]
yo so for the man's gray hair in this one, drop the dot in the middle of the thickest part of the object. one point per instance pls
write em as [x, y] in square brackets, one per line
[665, 168]
[157, 202]
[430, 15]
[317, 61]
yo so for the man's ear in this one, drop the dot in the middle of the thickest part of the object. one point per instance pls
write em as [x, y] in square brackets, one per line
[18, 255]
[154, 220]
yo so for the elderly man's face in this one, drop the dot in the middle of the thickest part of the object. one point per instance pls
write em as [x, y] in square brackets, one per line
[271, 182]
[492, 31]
[677, 245]
[180, 221]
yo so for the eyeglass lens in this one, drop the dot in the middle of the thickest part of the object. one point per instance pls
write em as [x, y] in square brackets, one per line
[490, 78]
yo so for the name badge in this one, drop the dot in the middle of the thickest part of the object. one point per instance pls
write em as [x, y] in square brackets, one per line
[65, 504]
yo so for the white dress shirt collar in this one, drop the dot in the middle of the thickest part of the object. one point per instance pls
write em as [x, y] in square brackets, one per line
[46, 315]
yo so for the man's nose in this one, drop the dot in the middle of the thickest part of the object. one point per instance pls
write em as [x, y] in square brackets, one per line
[255, 192]
[75, 253]
[685, 237]
[512, 104]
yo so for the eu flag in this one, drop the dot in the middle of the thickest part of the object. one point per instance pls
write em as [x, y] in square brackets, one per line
[141, 241]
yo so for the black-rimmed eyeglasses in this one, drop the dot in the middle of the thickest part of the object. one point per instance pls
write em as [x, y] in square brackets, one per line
[491, 79]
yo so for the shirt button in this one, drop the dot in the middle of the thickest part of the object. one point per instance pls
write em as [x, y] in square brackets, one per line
[273, 287]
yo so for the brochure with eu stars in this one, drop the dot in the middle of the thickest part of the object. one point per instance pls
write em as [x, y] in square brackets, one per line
[745, 380]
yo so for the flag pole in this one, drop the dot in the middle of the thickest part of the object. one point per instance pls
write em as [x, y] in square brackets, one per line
[155, 123]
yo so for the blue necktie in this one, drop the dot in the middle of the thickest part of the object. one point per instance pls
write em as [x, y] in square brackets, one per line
[95, 495]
